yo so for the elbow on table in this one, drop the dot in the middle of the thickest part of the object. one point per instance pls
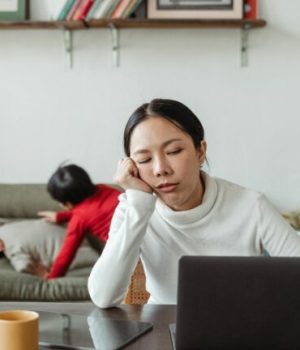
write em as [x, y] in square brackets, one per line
[102, 298]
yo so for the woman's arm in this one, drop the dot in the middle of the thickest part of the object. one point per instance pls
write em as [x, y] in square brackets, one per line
[110, 276]
[277, 236]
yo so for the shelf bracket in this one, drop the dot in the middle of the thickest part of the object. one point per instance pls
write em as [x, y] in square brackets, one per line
[115, 39]
[68, 42]
[245, 44]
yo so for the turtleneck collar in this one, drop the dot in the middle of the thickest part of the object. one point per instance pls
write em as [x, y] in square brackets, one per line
[192, 215]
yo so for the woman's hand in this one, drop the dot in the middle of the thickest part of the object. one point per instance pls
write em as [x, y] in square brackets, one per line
[49, 216]
[127, 176]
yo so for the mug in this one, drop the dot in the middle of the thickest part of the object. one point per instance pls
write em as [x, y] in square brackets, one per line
[19, 330]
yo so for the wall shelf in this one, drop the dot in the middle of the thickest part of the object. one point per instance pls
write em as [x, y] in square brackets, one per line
[115, 24]
[134, 23]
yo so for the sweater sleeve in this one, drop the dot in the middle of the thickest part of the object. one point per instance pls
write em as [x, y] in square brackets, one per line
[111, 274]
[277, 237]
[72, 240]
[63, 216]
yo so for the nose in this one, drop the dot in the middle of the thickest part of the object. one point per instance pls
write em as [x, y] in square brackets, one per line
[161, 166]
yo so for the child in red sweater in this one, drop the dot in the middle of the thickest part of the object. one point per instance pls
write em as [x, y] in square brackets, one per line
[89, 209]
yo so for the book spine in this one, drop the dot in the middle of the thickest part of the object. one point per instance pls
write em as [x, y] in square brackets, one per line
[131, 8]
[120, 8]
[93, 9]
[83, 10]
[63, 13]
[251, 9]
[86, 9]
[103, 8]
[112, 6]
[73, 10]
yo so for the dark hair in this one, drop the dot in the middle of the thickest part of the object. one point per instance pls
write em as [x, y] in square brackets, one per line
[174, 111]
[70, 183]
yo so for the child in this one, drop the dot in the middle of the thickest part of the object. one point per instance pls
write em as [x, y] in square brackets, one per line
[89, 209]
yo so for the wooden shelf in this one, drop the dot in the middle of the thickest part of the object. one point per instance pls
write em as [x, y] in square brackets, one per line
[135, 23]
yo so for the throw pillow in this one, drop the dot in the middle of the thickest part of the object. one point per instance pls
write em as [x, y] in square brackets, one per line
[293, 218]
[31, 241]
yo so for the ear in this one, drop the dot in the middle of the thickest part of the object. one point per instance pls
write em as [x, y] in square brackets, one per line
[68, 205]
[202, 152]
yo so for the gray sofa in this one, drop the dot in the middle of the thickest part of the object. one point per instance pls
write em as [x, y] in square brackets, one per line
[20, 202]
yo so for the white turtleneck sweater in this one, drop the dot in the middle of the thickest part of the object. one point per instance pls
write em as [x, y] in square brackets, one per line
[231, 221]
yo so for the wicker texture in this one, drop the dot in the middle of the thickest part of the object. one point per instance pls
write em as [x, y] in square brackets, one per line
[137, 293]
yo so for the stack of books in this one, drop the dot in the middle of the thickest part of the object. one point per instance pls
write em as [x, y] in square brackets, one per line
[76, 10]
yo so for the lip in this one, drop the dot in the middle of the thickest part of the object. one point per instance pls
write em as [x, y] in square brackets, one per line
[167, 187]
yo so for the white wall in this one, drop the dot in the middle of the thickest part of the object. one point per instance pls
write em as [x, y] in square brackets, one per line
[50, 113]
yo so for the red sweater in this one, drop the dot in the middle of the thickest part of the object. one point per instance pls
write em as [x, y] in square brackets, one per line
[92, 215]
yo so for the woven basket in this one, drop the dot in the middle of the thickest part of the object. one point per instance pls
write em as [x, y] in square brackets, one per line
[137, 293]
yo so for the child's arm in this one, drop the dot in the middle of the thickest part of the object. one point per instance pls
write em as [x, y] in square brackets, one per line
[63, 216]
[72, 241]
[56, 217]
[49, 216]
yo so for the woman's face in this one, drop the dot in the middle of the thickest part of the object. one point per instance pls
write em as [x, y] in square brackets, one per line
[168, 162]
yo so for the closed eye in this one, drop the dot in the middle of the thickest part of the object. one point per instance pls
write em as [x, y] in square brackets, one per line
[143, 161]
[176, 151]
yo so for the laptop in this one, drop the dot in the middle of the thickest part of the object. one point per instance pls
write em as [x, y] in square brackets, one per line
[78, 332]
[237, 303]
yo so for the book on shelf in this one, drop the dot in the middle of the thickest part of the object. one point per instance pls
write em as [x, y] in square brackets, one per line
[250, 9]
[53, 8]
[73, 9]
[96, 9]
[93, 9]
[112, 7]
[131, 8]
[120, 8]
[82, 10]
[105, 9]
[65, 9]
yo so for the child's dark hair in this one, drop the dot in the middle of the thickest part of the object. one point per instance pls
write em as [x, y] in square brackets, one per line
[70, 183]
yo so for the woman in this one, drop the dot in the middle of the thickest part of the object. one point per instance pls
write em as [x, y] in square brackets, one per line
[170, 208]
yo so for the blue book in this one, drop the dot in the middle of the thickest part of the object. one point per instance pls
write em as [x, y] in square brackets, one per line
[65, 10]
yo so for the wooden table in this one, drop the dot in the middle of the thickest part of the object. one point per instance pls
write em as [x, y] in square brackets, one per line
[160, 315]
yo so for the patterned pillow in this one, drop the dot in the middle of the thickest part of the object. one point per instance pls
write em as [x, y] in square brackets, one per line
[31, 241]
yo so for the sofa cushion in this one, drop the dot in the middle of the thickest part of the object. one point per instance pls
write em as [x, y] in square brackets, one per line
[31, 241]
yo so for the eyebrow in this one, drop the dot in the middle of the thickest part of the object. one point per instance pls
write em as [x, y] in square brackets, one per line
[165, 144]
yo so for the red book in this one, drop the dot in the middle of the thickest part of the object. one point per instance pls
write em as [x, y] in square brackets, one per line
[83, 10]
[250, 9]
